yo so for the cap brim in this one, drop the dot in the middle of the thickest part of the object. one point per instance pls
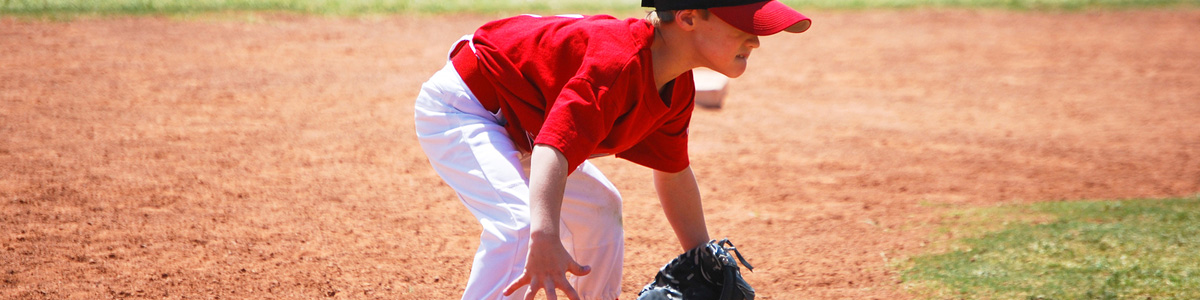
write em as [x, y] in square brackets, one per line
[763, 18]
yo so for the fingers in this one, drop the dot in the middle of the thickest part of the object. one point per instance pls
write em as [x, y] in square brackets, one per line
[575, 268]
[571, 294]
[547, 284]
[516, 285]
[550, 294]
[550, 285]
[533, 290]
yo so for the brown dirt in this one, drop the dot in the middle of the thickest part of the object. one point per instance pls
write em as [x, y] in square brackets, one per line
[273, 156]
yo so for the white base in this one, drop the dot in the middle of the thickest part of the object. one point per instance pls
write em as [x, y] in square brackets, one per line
[711, 88]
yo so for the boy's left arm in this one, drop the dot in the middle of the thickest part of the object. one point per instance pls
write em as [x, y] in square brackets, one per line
[680, 198]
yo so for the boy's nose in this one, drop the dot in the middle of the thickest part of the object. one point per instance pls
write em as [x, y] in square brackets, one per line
[752, 42]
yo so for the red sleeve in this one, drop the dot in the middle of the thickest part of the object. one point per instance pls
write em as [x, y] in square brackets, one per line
[576, 122]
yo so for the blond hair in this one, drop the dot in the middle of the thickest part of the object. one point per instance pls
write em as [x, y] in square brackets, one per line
[658, 18]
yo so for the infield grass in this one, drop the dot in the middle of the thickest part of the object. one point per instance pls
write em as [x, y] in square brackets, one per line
[1132, 249]
[67, 8]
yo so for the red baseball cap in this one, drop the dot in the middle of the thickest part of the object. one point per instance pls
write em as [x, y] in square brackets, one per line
[756, 17]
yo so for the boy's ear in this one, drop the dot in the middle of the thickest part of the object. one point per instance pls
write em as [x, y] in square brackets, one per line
[686, 18]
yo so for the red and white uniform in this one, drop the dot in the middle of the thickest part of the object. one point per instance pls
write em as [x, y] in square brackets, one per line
[584, 86]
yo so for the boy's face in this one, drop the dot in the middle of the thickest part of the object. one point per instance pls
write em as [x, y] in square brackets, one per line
[725, 48]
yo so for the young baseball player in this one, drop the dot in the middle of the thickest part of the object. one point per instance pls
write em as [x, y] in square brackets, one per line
[511, 120]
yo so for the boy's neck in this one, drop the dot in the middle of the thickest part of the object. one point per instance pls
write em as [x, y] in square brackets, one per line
[669, 56]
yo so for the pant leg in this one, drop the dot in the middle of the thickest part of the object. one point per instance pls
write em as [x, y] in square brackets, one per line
[470, 150]
[593, 233]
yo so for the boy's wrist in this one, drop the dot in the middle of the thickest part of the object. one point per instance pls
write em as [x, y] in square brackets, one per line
[544, 235]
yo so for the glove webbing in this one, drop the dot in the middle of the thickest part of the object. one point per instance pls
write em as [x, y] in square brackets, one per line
[712, 261]
[731, 247]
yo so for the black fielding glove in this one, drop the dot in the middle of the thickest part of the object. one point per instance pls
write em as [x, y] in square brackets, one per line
[707, 272]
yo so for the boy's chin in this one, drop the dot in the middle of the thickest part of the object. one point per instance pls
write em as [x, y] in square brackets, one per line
[734, 69]
[735, 73]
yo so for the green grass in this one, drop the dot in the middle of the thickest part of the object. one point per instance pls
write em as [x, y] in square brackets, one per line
[1133, 249]
[361, 7]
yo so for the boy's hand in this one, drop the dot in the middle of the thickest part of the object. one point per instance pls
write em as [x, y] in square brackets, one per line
[546, 268]
[548, 262]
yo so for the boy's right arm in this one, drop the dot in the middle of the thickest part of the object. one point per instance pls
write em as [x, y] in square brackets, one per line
[548, 261]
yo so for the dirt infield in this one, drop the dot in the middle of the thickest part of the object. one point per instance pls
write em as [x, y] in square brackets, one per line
[273, 156]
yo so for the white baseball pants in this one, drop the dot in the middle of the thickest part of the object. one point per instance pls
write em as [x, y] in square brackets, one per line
[470, 149]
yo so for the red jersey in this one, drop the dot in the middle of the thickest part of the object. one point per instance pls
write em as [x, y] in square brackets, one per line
[585, 86]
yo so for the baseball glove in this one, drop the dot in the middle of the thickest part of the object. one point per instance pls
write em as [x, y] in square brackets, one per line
[703, 273]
